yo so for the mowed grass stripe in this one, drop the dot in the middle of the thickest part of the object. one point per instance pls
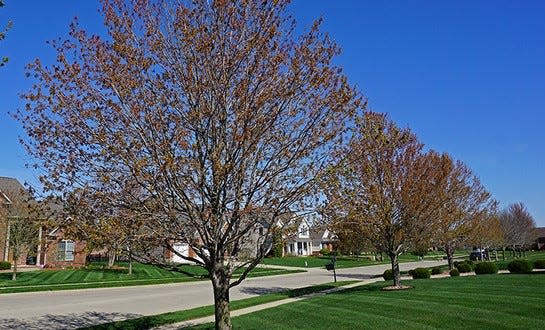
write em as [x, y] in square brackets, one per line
[433, 313]
[290, 317]
[418, 313]
[473, 300]
[95, 275]
[354, 308]
[470, 299]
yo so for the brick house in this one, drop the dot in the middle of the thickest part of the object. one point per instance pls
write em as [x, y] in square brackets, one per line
[539, 234]
[10, 190]
[60, 252]
[52, 249]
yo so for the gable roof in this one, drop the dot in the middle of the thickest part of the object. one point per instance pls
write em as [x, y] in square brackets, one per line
[8, 186]
[539, 232]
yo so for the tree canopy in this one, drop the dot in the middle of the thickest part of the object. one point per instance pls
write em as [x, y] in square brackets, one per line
[3, 32]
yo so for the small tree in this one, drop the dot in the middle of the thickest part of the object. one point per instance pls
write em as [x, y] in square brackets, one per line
[461, 201]
[487, 232]
[518, 227]
[92, 216]
[278, 243]
[23, 222]
[380, 188]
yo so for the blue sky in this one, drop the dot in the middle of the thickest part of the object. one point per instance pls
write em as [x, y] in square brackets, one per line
[467, 76]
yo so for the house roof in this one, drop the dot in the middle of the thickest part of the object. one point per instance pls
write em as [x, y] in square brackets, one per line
[316, 233]
[8, 186]
[539, 232]
[322, 233]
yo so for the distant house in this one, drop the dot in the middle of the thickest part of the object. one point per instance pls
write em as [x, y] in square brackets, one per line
[59, 252]
[10, 191]
[323, 238]
[307, 239]
[298, 243]
[182, 249]
[52, 249]
[539, 235]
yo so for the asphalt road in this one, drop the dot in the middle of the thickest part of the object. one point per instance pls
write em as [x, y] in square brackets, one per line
[76, 308]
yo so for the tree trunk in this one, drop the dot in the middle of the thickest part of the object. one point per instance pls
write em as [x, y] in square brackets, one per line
[220, 283]
[14, 273]
[111, 258]
[450, 254]
[503, 253]
[130, 261]
[395, 269]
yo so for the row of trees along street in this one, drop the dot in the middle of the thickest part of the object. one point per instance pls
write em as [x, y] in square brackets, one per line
[205, 122]
[385, 189]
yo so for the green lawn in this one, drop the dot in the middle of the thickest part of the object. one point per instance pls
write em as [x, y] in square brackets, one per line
[342, 261]
[366, 260]
[474, 302]
[530, 255]
[95, 276]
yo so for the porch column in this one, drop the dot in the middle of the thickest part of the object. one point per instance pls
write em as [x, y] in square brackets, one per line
[39, 250]
[6, 246]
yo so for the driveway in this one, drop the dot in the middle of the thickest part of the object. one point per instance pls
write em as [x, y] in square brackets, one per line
[76, 308]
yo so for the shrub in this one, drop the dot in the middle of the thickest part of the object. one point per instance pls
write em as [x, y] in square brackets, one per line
[5, 265]
[486, 268]
[467, 262]
[454, 272]
[411, 272]
[324, 252]
[502, 265]
[520, 266]
[539, 264]
[464, 267]
[388, 275]
[419, 273]
[436, 271]
[278, 244]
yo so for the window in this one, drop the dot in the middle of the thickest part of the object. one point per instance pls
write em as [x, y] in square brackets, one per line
[304, 231]
[66, 251]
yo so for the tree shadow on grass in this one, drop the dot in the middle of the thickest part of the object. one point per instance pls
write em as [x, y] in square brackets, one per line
[69, 321]
[372, 287]
[261, 291]
[534, 272]
[358, 276]
[289, 292]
